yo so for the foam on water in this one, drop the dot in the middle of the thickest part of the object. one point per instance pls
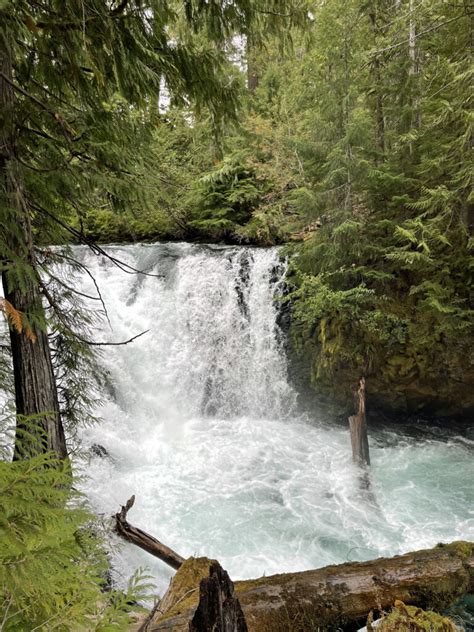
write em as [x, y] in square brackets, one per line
[203, 427]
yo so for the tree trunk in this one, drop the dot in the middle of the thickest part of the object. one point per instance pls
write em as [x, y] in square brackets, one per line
[39, 428]
[379, 110]
[331, 597]
[253, 78]
[414, 69]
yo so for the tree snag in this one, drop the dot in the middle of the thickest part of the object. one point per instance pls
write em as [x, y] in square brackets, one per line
[218, 609]
[358, 428]
[39, 426]
[145, 541]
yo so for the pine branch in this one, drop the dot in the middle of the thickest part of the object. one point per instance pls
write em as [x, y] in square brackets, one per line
[67, 131]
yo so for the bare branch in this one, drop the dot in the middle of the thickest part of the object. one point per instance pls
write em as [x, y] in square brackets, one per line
[60, 316]
[96, 249]
[144, 540]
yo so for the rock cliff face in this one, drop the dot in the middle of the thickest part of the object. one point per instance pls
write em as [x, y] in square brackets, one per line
[405, 382]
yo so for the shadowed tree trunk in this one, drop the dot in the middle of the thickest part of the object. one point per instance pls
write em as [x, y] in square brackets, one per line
[39, 428]
[253, 78]
[377, 87]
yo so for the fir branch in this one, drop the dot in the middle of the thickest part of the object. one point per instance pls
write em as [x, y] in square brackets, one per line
[67, 131]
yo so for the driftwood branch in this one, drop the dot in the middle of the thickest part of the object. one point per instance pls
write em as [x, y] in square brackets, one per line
[144, 540]
[326, 598]
[358, 428]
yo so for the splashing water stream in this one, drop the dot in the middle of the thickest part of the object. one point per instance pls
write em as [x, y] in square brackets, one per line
[204, 427]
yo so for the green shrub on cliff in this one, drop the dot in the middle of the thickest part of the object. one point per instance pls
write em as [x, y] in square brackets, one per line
[383, 286]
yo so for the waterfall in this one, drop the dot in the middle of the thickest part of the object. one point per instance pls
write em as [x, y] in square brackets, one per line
[213, 348]
[202, 425]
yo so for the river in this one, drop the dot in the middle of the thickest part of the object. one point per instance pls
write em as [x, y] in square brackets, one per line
[203, 426]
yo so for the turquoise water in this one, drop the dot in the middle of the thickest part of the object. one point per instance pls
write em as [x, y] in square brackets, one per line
[205, 429]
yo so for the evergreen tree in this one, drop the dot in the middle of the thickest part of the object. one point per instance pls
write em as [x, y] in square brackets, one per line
[357, 140]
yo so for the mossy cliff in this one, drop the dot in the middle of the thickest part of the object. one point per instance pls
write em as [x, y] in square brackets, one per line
[409, 335]
[434, 380]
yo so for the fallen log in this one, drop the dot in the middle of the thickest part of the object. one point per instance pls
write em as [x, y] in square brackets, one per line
[144, 540]
[358, 428]
[330, 597]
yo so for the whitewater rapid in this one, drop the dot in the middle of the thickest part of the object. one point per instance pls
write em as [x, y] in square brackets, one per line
[203, 426]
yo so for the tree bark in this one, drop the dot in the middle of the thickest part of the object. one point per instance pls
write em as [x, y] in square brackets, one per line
[219, 609]
[414, 69]
[329, 597]
[379, 109]
[253, 78]
[39, 427]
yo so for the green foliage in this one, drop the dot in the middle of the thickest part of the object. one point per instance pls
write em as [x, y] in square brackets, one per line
[382, 133]
[224, 199]
[52, 565]
[404, 618]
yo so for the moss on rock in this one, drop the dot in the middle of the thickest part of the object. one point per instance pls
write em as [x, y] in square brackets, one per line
[411, 619]
[183, 593]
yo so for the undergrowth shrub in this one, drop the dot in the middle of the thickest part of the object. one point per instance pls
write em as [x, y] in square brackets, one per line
[53, 567]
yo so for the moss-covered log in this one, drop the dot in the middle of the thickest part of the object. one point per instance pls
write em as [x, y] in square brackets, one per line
[329, 597]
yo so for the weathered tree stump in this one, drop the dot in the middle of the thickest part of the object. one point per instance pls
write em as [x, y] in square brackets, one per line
[218, 609]
[358, 428]
[144, 540]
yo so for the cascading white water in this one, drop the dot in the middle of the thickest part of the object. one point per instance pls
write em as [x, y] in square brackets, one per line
[203, 427]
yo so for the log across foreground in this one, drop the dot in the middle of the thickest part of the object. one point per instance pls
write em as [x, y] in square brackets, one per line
[329, 597]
